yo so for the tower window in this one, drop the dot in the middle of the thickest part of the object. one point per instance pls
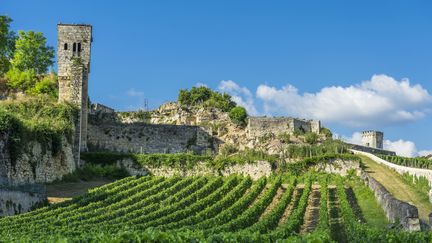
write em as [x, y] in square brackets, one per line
[79, 47]
[65, 46]
[74, 47]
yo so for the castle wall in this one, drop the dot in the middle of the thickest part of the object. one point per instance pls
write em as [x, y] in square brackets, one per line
[147, 138]
[259, 126]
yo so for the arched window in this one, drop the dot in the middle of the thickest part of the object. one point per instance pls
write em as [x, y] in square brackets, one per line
[65, 46]
[79, 47]
[74, 47]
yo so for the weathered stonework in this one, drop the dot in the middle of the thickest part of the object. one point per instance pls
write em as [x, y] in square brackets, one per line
[37, 163]
[260, 126]
[373, 139]
[148, 138]
[254, 170]
[16, 200]
[396, 210]
[338, 166]
[73, 53]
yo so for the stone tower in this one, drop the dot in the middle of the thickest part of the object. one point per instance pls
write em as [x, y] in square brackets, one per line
[73, 54]
[373, 139]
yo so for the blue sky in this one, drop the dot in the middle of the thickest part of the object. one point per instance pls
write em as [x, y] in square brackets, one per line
[269, 56]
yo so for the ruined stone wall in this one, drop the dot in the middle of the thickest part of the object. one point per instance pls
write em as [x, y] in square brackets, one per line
[147, 138]
[37, 162]
[259, 126]
[396, 210]
[16, 200]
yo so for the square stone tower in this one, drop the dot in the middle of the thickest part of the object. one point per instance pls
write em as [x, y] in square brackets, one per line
[373, 139]
[73, 57]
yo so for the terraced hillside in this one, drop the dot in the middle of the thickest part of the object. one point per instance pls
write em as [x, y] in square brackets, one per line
[180, 209]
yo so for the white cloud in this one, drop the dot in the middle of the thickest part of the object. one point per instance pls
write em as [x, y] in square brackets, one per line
[134, 93]
[425, 152]
[356, 138]
[379, 101]
[402, 147]
[241, 95]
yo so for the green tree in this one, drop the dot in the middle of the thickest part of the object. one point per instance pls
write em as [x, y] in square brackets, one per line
[21, 80]
[238, 115]
[327, 133]
[47, 85]
[32, 52]
[311, 137]
[7, 44]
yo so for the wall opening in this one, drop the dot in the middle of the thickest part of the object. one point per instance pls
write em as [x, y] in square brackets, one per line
[65, 46]
[74, 47]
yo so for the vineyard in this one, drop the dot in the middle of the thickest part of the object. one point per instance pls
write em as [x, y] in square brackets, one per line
[319, 207]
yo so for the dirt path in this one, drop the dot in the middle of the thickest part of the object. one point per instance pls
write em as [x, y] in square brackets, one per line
[274, 202]
[335, 220]
[298, 191]
[393, 182]
[311, 217]
[65, 191]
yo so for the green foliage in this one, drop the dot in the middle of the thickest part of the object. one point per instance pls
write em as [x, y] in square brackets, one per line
[303, 166]
[48, 85]
[7, 44]
[32, 53]
[311, 137]
[326, 132]
[203, 96]
[246, 156]
[21, 80]
[418, 162]
[238, 115]
[36, 119]
[420, 183]
[327, 147]
[140, 115]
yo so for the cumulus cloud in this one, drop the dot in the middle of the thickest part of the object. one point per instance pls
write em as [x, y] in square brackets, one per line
[401, 147]
[382, 100]
[241, 95]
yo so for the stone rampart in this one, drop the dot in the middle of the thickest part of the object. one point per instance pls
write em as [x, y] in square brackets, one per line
[396, 210]
[259, 126]
[148, 138]
[369, 149]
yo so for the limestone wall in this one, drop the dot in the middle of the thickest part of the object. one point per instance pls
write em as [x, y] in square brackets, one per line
[338, 166]
[254, 170]
[36, 162]
[259, 126]
[20, 200]
[147, 138]
[396, 210]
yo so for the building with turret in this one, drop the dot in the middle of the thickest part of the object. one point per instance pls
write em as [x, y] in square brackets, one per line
[373, 139]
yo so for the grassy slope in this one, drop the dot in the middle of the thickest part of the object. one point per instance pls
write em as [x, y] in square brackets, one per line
[396, 185]
[371, 210]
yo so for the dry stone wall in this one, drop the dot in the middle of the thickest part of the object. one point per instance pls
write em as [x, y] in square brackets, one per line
[396, 210]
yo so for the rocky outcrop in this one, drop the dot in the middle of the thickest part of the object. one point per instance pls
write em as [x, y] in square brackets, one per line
[36, 162]
[396, 210]
[254, 170]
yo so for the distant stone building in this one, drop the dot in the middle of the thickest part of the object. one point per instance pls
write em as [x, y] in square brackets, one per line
[73, 52]
[259, 126]
[373, 139]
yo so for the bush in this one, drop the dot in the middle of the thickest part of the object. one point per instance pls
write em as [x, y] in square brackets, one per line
[326, 132]
[48, 85]
[203, 96]
[311, 137]
[284, 137]
[238, 115]
[21, 80]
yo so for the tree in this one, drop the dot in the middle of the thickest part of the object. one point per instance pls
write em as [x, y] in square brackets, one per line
[32, 53]
[311, 137]
[7, 44]
[238, 115]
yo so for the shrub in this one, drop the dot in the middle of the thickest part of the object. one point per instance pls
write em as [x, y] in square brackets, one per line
[21, 80]
[326, 132]
[238, 115]
[284, 137]
[311, 137]
[203, 96]
[48, 85]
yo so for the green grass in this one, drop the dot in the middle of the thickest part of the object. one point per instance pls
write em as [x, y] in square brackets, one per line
[371, 210]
